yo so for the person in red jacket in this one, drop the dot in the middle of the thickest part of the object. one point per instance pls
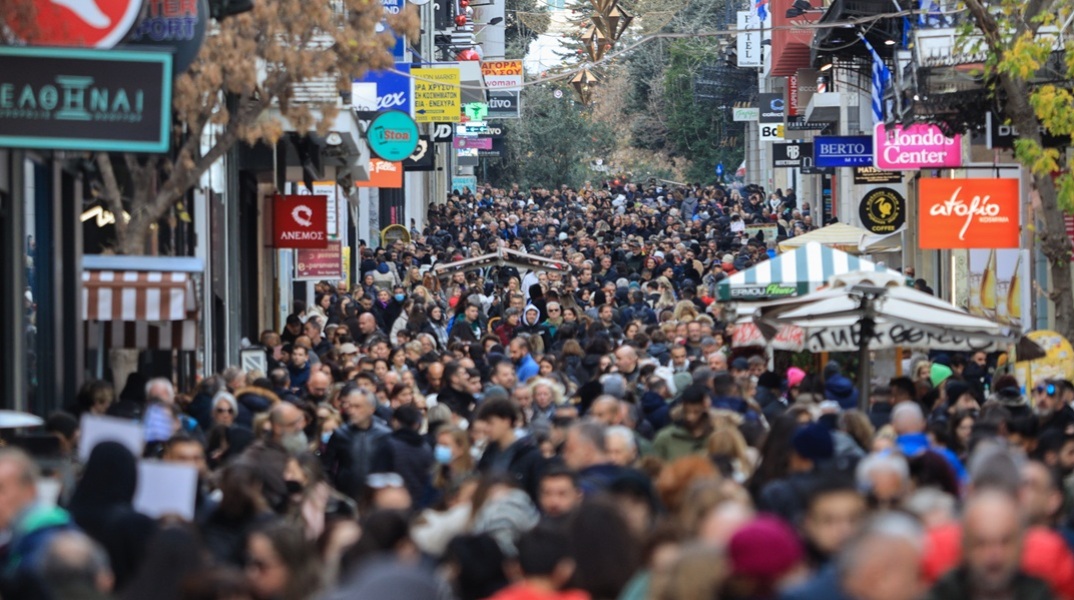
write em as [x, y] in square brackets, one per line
[544, 567]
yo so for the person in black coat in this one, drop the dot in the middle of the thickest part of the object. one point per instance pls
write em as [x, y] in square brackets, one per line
[406, 453]
[506, 453]
[102, 507]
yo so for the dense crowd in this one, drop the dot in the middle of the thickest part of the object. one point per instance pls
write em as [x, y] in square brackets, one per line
[582, 430]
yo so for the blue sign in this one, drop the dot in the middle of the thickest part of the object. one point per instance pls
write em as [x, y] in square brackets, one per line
[719, 169]
[394, 90]
[843, 151]
[393, 6]
[393, 135]
[399, 49]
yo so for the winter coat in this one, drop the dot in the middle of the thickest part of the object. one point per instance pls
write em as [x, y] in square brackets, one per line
[675, 442]
[253, 401]
[348, 456]
[656, 410]
[526, 368]
[956, 586]
[522, 460]
[406, 453]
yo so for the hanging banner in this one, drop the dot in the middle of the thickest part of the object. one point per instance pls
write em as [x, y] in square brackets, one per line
[748, 40]
[300, 221]
[920, 146]
[968, 213]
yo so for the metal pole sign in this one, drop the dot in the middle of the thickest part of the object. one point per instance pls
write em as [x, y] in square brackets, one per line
[79, 99]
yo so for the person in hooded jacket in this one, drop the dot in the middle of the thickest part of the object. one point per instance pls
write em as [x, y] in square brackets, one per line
[507, 453]
[530, 324]
[102, 507]
[406, 453]
[839, 387]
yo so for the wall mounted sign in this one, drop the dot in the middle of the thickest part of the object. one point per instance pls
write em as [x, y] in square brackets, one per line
[968, 213]
[423, 158]
[920, 146]
[316, 264]
[504, 104]
[85, 23]
[873, 175]
[78, 99]
[791, 154]
[300, 221]
[383, 174]
[882, 210]
[392, 135]
[383, 90]
[437, 94]
[843, 151]
[175, 25]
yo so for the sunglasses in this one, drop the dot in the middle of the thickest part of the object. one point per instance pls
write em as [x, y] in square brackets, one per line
[225, 410]
[1049, 389]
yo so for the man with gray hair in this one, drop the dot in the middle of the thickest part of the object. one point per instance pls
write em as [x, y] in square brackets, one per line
[620, 444]
[31, 524]
[883, 562]
[348, 456]
[74, 566]
[586, 452]
[909, 423]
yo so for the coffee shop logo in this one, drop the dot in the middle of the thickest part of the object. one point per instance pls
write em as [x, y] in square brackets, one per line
[71, 98]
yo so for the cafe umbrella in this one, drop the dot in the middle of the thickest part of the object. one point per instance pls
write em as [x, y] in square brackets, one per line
[865, 311]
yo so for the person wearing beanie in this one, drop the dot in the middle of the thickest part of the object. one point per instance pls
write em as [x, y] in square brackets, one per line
[769, 395]
[839, 387]
[764, 555]
[811, 445]
[938, 374]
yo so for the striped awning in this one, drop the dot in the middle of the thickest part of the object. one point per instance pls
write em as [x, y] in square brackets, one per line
[139, 309]
[793, 273]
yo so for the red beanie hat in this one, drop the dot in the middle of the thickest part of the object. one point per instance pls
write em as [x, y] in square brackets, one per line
[765, 548]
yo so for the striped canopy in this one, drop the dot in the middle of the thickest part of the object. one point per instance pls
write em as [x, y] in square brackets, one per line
[837, 235]
[794, 273]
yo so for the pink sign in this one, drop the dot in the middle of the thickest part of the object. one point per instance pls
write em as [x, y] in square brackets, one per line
[920, 146]
[479, 143]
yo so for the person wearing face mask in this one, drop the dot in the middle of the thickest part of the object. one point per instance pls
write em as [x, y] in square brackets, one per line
[454, 460]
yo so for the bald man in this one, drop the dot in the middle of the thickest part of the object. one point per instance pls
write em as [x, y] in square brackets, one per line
[317, 387]
[626, 363]
[909, 423]
[367, 328]
[992, 535]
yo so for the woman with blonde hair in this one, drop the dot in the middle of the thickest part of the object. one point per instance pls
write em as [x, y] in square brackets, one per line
[667, 296]
[728, 450]
[547, 395]
[685, 311]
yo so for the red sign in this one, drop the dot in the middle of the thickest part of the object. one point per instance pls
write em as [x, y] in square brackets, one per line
[968, 213]
[300, 221]
[323, 263]
[792, 96]
[87, 23]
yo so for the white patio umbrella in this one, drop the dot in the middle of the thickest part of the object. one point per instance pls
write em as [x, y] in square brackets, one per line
[865, 311]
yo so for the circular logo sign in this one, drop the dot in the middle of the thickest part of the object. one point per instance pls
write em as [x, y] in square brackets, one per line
[179, 26]
[883, 210]
[393, 135]
[86, 23]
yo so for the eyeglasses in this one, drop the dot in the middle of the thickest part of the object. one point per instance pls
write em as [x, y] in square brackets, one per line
[553, 310]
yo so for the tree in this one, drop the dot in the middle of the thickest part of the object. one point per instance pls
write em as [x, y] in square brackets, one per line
[553, 143]
[1023, 43]
[249, 64]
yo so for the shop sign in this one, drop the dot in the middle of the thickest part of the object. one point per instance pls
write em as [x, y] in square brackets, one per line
[744, 114]
[869, 175]
[423, 158]
[748, 40]
[383, 174]
[383, 90]
[502, 74]
[437, 94]
[791, 154]
[320, 263]
[86, 23]
[968, 213]
[77, 99]
[393, 135]
[882, 210]
[842, 151]
[757, 292]
[300, 221]
[470, 142]
[998, 134]
[504, 104]
[175, 25]
[773, 108]
[920, 146]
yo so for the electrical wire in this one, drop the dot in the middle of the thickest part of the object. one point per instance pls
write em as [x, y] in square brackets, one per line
[850, 23]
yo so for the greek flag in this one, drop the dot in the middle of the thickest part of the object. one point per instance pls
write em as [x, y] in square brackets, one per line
[762, 9]
[881, 81]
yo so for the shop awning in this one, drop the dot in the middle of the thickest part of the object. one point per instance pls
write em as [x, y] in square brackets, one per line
[794, 273]
[837, 235]
[140, 302]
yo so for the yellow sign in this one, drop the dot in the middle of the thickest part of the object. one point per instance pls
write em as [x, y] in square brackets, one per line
[394, 233]
[1058, 363]
[347, 267]
[437, 95]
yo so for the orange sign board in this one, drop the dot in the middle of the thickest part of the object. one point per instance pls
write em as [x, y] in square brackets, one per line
[968, 213]
[383, 174]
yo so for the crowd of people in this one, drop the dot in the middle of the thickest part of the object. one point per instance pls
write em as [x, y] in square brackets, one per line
[581, 430]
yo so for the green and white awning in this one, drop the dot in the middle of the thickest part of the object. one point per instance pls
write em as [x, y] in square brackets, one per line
[794, 273]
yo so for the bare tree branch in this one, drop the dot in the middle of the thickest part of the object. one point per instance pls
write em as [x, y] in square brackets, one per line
[112, 196]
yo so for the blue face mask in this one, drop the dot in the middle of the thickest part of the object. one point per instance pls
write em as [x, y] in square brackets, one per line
[400, 297]
[442, 454]
[325, 437]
